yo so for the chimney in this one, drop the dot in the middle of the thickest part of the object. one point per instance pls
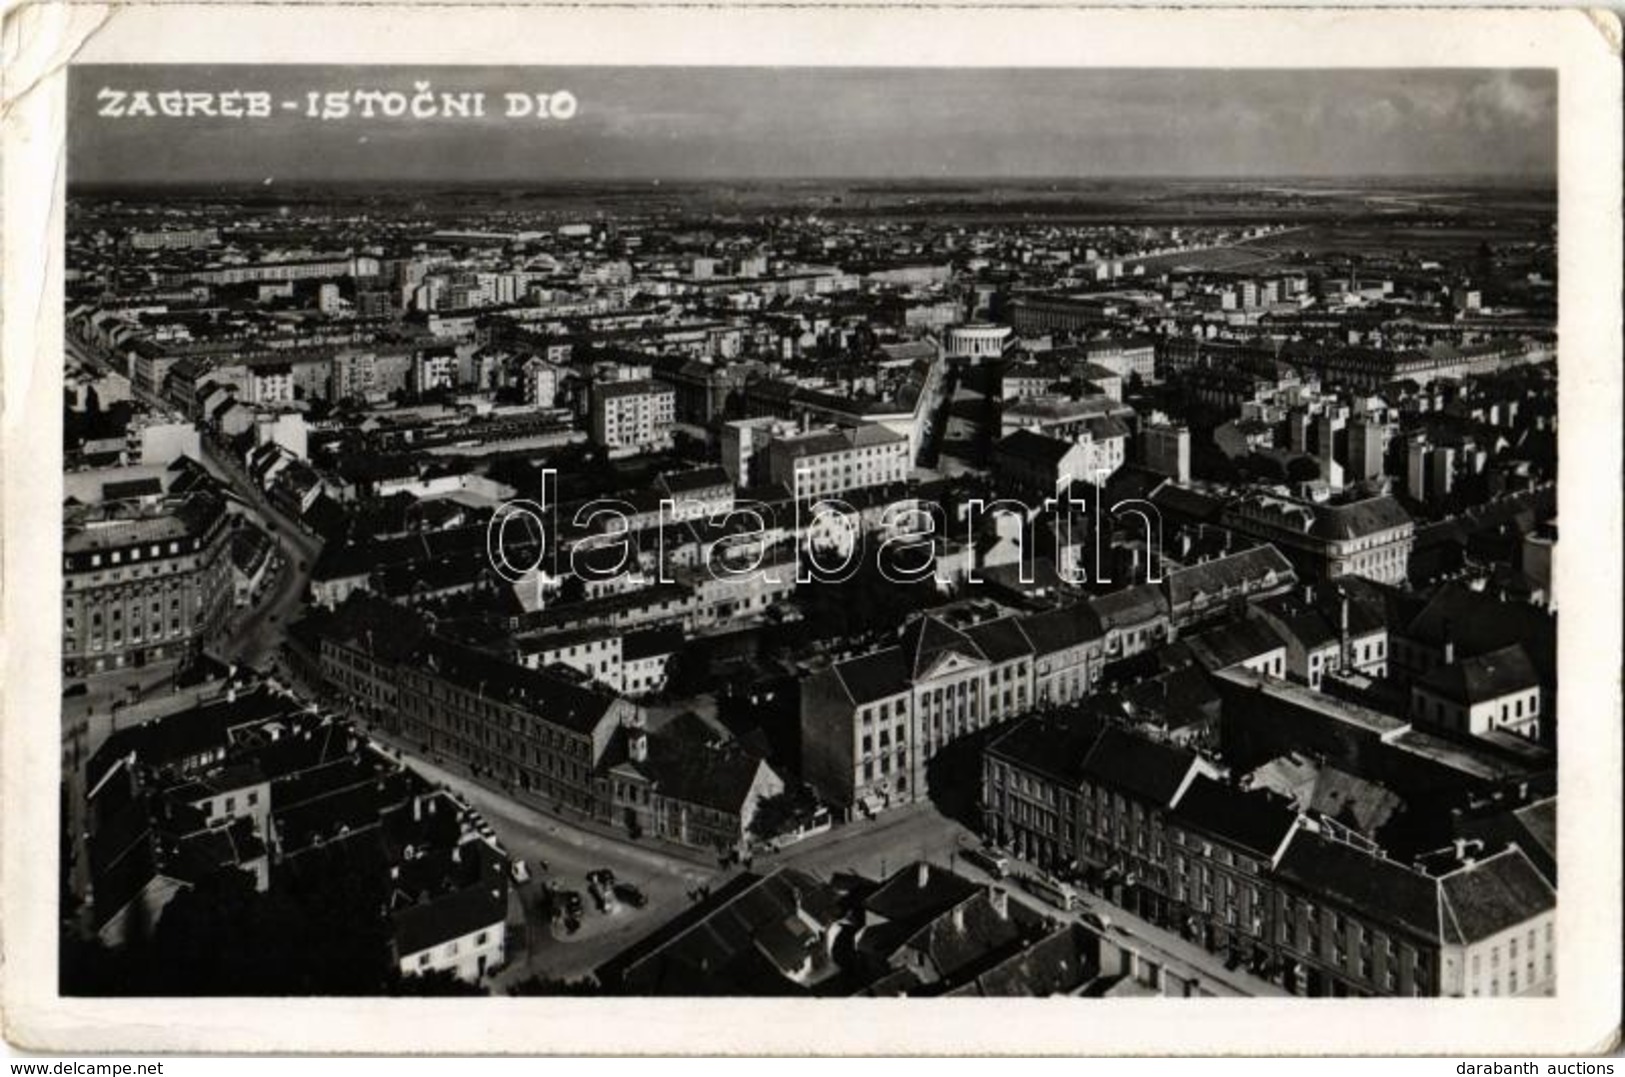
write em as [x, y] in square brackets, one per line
[959, 918]
[417, 809]
[999, 898]
[637, 746]
[922, 875]
[1449, 652]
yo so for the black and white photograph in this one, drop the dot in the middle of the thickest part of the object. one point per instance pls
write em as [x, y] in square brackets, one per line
[809, 532]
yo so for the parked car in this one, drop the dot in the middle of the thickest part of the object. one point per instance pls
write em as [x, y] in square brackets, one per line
[631, 895]
[520, 871]
[570, 902]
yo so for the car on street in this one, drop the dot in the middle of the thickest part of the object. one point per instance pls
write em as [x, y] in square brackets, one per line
[520, 870]
[631, 895]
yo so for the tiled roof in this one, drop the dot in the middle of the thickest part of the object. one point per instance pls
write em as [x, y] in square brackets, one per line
[1057, 630]
[1484, 677]
[1360, 519]
[1485, 898]
[1382, 889]
[869, 677]
[1034, 448]
[1053, 745]
[928, 637]
[1151, 771]
[1261, 566]
[1254, 821]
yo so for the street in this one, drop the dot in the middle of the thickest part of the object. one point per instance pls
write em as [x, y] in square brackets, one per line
[917, 832]
[255, 634]
[570, 852]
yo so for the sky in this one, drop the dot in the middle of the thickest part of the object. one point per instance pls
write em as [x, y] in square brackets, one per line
[819, 123]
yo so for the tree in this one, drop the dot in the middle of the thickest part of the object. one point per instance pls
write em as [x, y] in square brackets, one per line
[783, 812]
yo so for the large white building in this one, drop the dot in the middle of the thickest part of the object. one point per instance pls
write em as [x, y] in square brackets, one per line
[829, 462]
[633, 414]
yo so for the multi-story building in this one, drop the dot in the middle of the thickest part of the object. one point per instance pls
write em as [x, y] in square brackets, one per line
[1166, 449]
[829, 463]
[146, 569]
[173, 239]
[542, 735]
[541, 382]
[1327, 632]
[1370, 538]
[1128, 358]
[1222, 842]
[1242, 873]
[1498, 689]
[633, 414]
[871, 724]
[434, 368]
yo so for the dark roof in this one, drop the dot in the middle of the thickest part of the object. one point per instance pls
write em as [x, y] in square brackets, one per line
[928, 636]
[131, 488]
[917, 893]
[441, 919]
[1054, 745]
[1479, 622]
[1485, 898]
[1359, 519]
[1057, 964]
[559, 702]
[1299, 620]
[1183, 502]
[1151, 771]
[1485, 676]
[1129, 606]
[1254, 821]
[1234, 642]
[740, 942]
[383, 629]
[700, 478]
[1057, 630]
[203, 729]
[1368, 884]
[873, 676]
[1533, 828]
[1261, 566]
[1000, 640]
[651, 642]
[695, 771]
[1034, 448]
[1176, 698]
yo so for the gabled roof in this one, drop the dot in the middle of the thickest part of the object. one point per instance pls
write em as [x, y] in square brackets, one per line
[928, 637]
[1151, 771]
[1371, 885]
[1254, 821]
[1234, 642]
[869, 677]
[1359, 519]
[1056, 745]
[1261, 566]
[1034, 448]
[1485, 898]
[1484, 677]
[1130, 606]
[1059, 629]
[690, 769]
[1000, 640]
[442, 919]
